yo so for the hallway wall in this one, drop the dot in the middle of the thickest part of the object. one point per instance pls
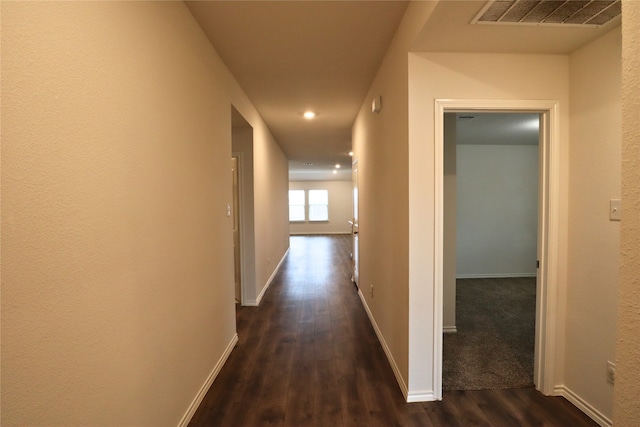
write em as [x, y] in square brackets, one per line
[117, 262]
[589, 177]
[380, 143]
[594, 241]
[627, 407]
[467, 76]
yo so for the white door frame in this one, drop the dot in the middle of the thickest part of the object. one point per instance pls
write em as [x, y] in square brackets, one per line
[355, 228]
[548, 237]
[240, 156]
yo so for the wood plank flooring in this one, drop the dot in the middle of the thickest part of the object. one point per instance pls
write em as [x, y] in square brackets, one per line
[308, 356]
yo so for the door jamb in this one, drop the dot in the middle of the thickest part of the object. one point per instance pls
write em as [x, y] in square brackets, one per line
[549, 180]
[240, 156]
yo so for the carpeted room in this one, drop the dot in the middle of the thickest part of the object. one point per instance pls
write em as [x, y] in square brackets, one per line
[491, 215]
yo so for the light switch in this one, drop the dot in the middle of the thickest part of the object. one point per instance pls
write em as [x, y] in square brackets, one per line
[228, 209]
[615, 210]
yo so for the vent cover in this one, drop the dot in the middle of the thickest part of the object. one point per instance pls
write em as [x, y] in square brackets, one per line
[549, 12]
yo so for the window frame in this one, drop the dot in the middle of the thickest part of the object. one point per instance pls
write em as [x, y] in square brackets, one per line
[308, 206]
[297, 205]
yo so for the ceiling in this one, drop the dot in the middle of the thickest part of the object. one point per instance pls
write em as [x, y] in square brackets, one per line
[497, 128]
[294, 56]
[449, 29]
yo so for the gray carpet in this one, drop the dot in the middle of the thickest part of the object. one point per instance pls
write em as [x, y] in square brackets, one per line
[494, 345]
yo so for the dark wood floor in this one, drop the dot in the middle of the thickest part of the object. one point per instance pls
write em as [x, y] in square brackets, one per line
[308, 356]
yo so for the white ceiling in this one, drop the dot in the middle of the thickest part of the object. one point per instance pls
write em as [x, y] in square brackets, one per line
[290, 56]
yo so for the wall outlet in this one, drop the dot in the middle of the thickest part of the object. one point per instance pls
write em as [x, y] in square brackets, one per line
[611, 372]
[371, 291]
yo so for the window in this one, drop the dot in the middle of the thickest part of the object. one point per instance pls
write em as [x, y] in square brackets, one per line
[296, 205]
[318, 205]
[314, 203]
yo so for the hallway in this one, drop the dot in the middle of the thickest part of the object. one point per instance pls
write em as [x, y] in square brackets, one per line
[309, 356]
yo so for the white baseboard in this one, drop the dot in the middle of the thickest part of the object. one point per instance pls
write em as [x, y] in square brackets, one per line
[207, 384]
[318, 233]
[450, 329]
[424, 396]
[385, 347]
[494, 275]
[583, 405]
[273, 275]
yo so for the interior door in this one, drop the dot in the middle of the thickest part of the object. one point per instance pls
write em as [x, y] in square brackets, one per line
[355, 227]
[236, 230]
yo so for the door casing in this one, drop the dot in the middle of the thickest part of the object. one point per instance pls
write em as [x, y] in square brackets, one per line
[355, 228]
[239, 212]
[548, 230]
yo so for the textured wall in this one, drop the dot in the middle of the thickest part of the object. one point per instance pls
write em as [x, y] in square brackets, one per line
[627, 405]
[117, 262]
[594, 240]
[594, 257]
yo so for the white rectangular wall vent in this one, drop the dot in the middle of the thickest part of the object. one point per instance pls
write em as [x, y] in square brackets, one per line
[549, 12]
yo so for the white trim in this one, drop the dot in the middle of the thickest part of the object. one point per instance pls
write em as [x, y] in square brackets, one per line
[547, 290]
[546, 307]
[423, 396]
[241, 228]
[583, 405]
[438, 252]
[273, 275]
[320, 233]
[385, 347]
[449, 329]
[495, 275]
[186, 418]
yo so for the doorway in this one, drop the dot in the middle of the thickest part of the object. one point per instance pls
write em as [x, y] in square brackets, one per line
[243, 225]
[237, 259]
[547, 235]
[491, 181]
[355, 226]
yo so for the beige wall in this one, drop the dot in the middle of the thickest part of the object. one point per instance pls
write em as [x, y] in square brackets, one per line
[117, 263]
[466, 76]
[380, 145]
[582, 210]
[626, 412]
[271, 204]
[594, 240]
[264, 209]
[340, 208]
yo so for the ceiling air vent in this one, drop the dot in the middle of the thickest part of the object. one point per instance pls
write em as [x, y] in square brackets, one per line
[549, 12]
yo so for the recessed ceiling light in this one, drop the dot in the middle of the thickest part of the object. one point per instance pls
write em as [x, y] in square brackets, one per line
[309, 115]
[351, 153]
[337, 166]
[335, 171]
